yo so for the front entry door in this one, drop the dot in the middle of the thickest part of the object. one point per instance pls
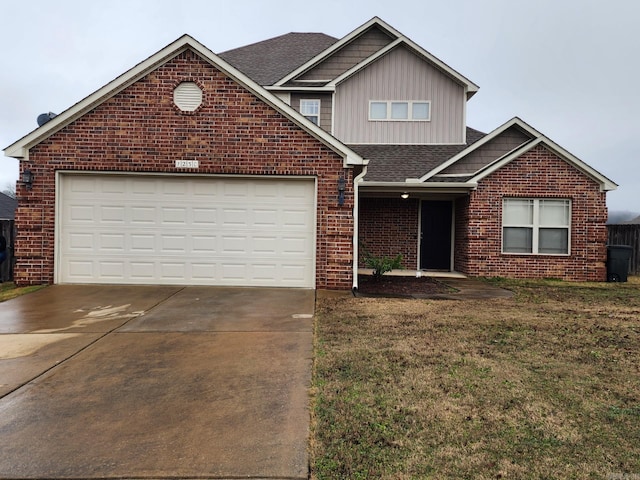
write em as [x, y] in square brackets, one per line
[435, 244]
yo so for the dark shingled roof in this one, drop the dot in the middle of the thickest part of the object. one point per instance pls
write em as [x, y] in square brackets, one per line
[268, 61]
[396, 163]
[8, 207]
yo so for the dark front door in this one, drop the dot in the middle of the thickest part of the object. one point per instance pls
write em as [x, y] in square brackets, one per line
[435, 239]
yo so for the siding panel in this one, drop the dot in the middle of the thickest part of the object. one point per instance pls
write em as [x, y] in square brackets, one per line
[362, 47]
[400, 75]
[326, 100]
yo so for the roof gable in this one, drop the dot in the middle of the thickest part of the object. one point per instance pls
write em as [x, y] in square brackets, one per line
[486, 153]
[398, 39]
[536, 138]
[20, 148]
[352, 53]
[605, 183]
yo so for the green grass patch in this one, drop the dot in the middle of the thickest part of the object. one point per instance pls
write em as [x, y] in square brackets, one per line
[543, 385]
[8, 290]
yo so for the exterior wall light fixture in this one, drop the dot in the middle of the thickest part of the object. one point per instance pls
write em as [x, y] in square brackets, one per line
[27, 178]
[342, 183]
[405, 195]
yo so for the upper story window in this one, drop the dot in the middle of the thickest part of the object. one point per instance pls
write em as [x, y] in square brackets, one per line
[416, 111]
[311, 110]
[536, 226]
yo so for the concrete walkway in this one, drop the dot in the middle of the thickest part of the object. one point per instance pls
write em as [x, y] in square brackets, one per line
[155, 382]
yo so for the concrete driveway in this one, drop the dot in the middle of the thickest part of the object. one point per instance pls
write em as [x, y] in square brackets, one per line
[155, 382]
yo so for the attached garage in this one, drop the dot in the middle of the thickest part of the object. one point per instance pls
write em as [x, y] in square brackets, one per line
[183, 171]
[185, 230]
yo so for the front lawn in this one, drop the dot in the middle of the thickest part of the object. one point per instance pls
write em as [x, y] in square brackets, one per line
[543, 385]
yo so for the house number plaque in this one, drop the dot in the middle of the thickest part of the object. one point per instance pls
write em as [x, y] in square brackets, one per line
[187, 164]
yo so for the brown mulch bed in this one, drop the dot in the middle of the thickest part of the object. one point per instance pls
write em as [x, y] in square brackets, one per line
[389, 285]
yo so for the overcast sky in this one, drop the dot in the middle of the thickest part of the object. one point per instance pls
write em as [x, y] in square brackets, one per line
[569, 68]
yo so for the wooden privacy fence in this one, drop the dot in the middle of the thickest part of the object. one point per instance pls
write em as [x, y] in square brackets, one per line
[7, 230]
[627, 234]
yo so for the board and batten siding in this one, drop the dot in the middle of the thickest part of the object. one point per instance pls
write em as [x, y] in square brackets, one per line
[400, 75]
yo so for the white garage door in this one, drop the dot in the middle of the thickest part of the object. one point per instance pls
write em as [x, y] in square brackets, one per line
[133, 229]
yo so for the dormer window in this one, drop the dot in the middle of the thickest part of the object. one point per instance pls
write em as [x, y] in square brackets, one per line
[395, 111]
[311, 110]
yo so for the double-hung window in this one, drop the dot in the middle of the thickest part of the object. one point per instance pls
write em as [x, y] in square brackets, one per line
[311, 110]
[536, 226]
[400, 110]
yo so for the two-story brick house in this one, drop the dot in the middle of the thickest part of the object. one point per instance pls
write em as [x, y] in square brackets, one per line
[269, 165]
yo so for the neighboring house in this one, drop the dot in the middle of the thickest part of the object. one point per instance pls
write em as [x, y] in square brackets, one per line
[8, 207]
[270, 164]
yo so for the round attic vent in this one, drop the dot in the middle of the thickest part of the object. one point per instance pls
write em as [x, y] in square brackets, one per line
[187, 96]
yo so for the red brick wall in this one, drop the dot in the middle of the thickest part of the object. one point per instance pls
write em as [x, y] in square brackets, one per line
[461, 238]
[389, 226]
[141, 130]
[536, 174]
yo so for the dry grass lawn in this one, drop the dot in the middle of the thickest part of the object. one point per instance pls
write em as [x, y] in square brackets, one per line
[544, 385]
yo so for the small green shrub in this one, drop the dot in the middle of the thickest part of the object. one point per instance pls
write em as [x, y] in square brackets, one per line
[380, 265]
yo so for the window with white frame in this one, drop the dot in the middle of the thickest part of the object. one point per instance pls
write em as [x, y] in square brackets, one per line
[311, 110]
[536, 226]
[400, 110]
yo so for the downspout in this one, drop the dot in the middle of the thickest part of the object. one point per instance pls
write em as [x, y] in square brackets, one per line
[356, 214]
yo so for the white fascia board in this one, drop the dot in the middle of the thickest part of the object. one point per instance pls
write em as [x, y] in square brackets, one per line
[413, 187]
[20, 148]
[487, 138]
[299, 88]
[605, 183]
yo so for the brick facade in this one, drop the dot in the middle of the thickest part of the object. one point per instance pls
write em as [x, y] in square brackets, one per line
[141, 130]
[536, 174]
[390, 226]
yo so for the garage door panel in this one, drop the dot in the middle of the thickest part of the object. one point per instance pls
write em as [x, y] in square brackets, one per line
[111, 242]
[201, 231]
[204, 244]
[113, 184]
[81, 213]
[114, 270]
[81, 242]
[142, 271]
[205, 217]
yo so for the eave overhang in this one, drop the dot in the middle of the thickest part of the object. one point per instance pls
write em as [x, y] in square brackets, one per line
[416, 189]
